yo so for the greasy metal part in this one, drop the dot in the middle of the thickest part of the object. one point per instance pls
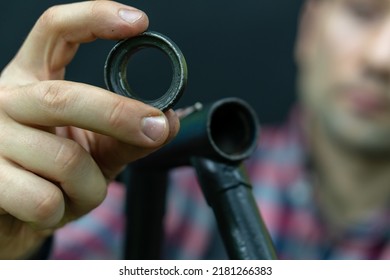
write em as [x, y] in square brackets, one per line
[118, 58]
[229, 194]
[226, 130]
[145, 209]
[214, 139]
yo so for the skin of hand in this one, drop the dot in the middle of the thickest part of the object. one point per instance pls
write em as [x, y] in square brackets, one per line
[62, 142]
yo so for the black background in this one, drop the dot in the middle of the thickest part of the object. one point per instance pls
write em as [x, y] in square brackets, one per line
[233, 48]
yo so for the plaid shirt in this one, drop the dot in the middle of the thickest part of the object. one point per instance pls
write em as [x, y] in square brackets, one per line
[285, 195]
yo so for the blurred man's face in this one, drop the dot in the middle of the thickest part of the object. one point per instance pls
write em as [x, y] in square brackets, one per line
[343, 53]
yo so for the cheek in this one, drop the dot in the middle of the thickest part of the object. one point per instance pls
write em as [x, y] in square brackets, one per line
[343, 44]
[334, 59]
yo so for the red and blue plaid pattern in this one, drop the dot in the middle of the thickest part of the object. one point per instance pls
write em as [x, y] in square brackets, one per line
[283, 187]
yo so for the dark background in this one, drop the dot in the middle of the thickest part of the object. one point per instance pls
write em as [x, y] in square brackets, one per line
[233, 48]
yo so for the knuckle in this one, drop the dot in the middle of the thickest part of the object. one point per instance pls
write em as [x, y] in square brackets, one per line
[115, 114]
[97, 8]
[53, 98]
[69, 157]
[47, 19]
[48, 206]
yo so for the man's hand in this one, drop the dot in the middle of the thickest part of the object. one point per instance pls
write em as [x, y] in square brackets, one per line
[61, 142]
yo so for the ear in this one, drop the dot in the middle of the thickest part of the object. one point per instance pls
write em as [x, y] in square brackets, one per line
[305, 28]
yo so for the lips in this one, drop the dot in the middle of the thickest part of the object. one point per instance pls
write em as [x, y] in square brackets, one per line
[367, 102]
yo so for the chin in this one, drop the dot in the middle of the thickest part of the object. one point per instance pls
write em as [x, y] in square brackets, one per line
[360, 135]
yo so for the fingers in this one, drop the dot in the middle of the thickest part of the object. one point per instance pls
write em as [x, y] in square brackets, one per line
[48, 178]
[114, 155]
[20, 197]
[63, 166]
[55, 37]
[60, 103]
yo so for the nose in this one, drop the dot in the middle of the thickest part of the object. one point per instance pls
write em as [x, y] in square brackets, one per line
[378, 51]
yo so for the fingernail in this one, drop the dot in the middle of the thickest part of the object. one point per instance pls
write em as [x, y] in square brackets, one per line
[154, 127]
[130, 16]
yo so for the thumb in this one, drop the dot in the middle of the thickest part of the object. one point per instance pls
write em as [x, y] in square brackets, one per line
[55, 38]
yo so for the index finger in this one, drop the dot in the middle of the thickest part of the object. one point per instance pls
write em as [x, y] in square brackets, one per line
[64, 103]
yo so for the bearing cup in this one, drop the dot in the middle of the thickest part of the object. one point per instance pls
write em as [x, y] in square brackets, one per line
[118, 58]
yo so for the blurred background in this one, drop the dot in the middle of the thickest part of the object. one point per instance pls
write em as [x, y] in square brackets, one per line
[242, 49]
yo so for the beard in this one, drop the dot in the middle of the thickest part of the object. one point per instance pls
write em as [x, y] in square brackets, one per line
[355, 133]
[330, 112]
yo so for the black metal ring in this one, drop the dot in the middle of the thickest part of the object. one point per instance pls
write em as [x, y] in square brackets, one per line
[118, 58]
